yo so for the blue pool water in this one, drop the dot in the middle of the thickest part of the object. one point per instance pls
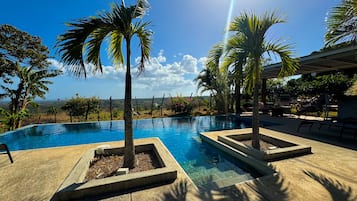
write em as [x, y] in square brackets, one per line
[205, 165]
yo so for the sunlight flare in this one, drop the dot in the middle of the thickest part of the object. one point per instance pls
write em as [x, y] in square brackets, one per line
[229, 17]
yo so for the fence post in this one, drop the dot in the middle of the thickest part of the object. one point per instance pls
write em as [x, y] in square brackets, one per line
[137, 105]
[152, 105]
[162, 103]
[110, 108]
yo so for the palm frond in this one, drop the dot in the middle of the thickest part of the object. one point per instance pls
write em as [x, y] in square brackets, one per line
[249, 73]
[93, 46]
[115, 48]
[289, 64]
[342, 23]
[71, 44]
[214, 56]
[82, 43]
[141, 8]
[145, 39]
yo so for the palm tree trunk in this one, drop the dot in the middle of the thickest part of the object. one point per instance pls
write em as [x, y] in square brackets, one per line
[237, 96]
[255, 120]
[129, 149]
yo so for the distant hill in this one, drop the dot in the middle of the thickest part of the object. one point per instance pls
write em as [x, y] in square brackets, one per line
[118, 104]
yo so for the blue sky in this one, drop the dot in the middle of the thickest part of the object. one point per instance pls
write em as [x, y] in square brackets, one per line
[184, 31]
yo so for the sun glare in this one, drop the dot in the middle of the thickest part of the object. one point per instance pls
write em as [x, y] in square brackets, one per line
[229, 17]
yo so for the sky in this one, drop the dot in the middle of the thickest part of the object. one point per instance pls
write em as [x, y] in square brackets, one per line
[184, 32]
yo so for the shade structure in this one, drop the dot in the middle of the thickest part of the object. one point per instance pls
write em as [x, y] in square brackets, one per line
[331, 59]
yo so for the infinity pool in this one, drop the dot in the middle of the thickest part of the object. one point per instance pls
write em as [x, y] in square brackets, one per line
[206, 166]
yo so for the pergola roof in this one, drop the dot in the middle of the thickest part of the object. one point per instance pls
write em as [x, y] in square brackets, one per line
[325, 60]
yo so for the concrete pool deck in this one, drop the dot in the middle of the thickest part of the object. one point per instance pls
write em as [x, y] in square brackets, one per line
[330, 174]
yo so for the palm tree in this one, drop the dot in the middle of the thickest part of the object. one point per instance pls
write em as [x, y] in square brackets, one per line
[214, 79]
[82, 44]
[342, 23]
[236, 59]
[220, 76]
[250, 32]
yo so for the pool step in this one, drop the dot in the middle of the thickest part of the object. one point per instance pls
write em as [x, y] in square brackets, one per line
[222, 183]
[225, 182]
[217, 181]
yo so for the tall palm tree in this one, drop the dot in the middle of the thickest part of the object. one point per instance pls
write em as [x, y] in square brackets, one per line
[342, 23]
[82, 44]
[251, 31]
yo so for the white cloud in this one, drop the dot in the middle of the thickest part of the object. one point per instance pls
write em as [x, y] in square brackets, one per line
[161, 57]
[159, 76]
[189, 64]
[56, 65]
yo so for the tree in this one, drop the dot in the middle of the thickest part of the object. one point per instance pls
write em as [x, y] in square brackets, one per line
[92, 106]
[342, 23]
[81, 107]
[214, 79]
[251, 32]
[82, 43]
[53, 110]
[237, 60]
[181, 105]
[75, 107]
[18, 48]
[23, 63]
[9, 119]
[275, 87]
[334, 84]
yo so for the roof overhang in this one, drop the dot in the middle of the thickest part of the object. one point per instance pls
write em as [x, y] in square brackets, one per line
[324, 61]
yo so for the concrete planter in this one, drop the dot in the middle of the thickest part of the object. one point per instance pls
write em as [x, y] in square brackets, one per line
[74, 186]
[285, 148]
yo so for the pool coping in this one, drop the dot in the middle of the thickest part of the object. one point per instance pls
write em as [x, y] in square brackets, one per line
[73, 186]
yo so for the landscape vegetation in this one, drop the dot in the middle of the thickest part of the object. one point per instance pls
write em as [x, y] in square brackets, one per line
[232, 68]
[232, 73]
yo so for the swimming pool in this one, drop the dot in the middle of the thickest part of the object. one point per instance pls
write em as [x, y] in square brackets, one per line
[205, 165]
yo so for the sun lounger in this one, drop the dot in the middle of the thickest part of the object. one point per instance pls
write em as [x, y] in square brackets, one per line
[305, 123]
[344, 124]
[5, 150]
[349, 124]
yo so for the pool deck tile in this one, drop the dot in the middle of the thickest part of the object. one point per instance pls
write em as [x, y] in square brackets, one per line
[328, 174]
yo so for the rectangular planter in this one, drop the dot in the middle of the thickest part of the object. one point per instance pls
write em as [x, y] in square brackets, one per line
[260, 166]
[286, 149]
[73, 186]
[231, 139]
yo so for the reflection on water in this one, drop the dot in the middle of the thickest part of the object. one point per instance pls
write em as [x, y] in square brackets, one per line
[77, 128]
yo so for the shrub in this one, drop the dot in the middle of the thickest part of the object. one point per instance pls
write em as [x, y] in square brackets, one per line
[181, 104]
